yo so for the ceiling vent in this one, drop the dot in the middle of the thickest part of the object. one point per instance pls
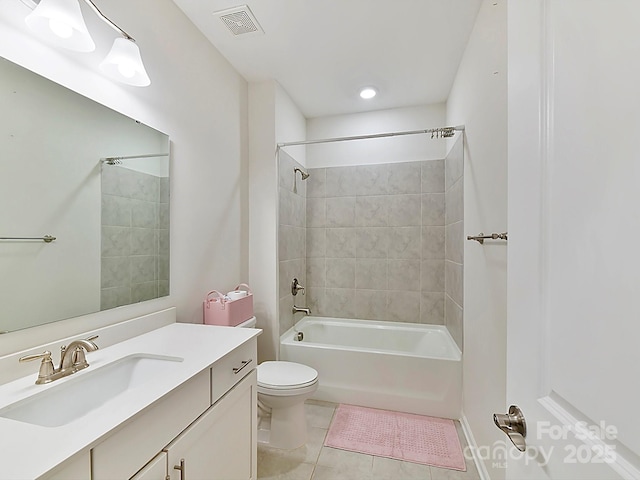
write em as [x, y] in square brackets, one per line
[240, 21]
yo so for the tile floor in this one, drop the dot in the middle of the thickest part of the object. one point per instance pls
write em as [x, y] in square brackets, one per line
[314, 461]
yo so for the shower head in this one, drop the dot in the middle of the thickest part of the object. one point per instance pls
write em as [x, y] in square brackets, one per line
[111, 161]
[304, 175]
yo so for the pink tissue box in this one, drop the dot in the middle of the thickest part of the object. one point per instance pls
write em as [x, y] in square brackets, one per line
[218, 310]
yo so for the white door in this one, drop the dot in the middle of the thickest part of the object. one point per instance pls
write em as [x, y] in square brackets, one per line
[221, 444]
[574, 234]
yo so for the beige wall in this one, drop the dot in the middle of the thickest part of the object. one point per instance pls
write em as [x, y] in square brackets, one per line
[409, 148]
[273, 119]
[478, 100]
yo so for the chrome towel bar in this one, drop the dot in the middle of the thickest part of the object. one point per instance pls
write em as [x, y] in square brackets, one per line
[481, 237]
[46, 238]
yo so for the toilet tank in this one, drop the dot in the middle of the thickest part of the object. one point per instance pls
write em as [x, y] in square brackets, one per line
[251, 323]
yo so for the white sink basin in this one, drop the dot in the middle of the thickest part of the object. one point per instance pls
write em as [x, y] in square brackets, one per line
[75, 396]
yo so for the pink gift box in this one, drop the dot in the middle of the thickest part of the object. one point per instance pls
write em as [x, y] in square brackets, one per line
[219, 310]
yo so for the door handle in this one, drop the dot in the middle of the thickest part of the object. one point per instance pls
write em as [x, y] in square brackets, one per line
[181, 469]
[514, 425]
[244, 363]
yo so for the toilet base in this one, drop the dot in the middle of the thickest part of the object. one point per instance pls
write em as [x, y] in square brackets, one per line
[264, 427]
[285, 428]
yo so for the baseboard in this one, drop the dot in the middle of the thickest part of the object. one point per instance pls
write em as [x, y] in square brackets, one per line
[473, 448]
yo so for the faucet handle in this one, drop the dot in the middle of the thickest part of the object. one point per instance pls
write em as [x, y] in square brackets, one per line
[46, 366]
[46, 355]
[295, 287]
[72, 356]
[78, 356]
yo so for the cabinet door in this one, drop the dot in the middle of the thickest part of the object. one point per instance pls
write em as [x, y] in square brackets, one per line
[220, 445]
[156, 469]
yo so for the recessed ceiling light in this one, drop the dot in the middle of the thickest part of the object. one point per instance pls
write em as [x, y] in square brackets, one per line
[368, 92]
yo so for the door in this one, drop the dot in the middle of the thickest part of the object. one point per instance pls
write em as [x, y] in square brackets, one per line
[156, 469]
[574, 226]
[221, 444]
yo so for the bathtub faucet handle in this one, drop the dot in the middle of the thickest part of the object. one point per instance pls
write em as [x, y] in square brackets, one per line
[296, 287]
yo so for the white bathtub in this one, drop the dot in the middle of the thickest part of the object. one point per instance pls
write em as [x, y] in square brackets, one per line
[397, 366]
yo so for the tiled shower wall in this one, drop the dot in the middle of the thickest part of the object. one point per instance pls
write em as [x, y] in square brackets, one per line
[291, 238]
[135, 236]
[376, 242]
[454, 258]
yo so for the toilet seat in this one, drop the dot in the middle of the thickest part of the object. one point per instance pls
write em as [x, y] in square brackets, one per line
[285, 378]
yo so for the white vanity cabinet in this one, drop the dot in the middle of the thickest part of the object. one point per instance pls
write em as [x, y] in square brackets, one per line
[179, 391]
[206, 428]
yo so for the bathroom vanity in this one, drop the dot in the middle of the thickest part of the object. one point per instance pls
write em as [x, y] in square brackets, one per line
[181, 398]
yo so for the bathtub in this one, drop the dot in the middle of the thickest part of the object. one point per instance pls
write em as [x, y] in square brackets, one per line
[406, 367]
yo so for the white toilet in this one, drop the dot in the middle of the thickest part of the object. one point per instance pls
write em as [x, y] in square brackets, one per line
[282, 389]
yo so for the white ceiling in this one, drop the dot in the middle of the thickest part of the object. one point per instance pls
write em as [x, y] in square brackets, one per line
[323, 51]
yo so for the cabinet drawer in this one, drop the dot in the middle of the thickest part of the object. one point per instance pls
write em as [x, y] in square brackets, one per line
[232, 368]
[122, 454]
[77, 468]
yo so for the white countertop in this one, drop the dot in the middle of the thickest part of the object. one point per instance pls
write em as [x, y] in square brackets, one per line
[29, 451]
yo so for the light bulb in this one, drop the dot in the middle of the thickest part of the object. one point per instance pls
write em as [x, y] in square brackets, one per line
[127, 69]
[60, 28]
[124, 64]
[368, 92]
[60, 23]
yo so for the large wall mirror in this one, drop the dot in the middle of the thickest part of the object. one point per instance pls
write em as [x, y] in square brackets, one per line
[95, 180]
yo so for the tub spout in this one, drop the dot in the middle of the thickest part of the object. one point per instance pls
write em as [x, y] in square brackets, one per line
[306, 311]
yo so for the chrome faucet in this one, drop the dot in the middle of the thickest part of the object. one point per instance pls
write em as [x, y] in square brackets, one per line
[72, 359]
[306, 311]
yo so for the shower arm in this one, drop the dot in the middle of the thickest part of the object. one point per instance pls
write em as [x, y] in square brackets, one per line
[303, 174]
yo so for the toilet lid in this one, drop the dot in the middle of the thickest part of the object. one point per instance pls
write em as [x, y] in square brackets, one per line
[283, 375]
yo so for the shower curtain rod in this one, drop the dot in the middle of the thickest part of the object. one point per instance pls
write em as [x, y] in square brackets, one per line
[148, 155]
[442, 131]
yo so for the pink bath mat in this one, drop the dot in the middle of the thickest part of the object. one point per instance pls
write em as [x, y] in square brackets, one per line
[402, 436]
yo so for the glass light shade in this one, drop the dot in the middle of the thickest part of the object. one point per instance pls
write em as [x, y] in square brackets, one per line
[60, 23]
[124, 64]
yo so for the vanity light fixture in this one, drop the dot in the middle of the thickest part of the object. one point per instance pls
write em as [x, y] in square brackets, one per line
[368, 93]
[60, 22]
